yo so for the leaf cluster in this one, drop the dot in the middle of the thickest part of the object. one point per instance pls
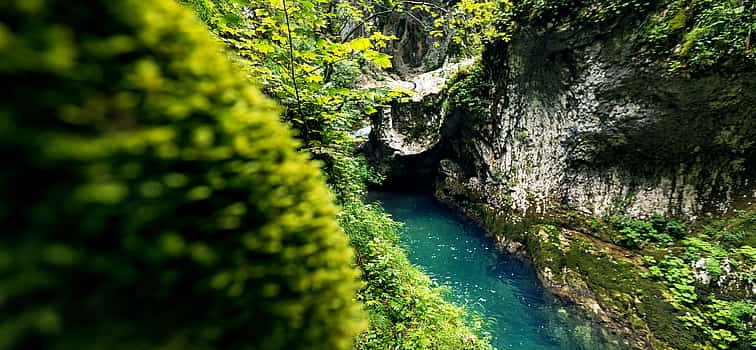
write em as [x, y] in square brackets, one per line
[697, 35]
[296, 56]
[725, 319]
[635, 233]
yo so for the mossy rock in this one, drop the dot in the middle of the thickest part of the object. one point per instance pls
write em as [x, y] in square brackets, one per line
[151, 199]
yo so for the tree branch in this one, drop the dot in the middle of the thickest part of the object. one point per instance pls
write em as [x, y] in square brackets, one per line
[393, 9]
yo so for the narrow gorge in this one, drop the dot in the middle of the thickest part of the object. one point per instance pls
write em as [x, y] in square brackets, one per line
[613, 165]
[378, 174]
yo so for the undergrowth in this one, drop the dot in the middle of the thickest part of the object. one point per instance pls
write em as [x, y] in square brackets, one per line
[706, 269]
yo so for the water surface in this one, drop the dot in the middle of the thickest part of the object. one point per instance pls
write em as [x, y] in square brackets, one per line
[499, 287]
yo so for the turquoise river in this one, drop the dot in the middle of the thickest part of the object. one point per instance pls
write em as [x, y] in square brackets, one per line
[500, 288]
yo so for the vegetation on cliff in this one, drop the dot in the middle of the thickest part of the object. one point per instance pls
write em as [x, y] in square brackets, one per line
[706, 270]
[689, 36]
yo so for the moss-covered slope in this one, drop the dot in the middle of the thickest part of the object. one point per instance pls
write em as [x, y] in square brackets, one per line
[150, 198]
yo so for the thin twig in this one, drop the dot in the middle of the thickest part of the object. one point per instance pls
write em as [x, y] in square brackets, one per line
[392, 9]
[293, 74]
[426, 4]
[346, 37]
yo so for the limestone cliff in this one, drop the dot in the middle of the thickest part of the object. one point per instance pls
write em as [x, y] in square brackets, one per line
[582, 119]
[570, 122]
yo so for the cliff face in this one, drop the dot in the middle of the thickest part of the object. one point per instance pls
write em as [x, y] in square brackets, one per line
[582, 119]
[566, 123]
[585, 121]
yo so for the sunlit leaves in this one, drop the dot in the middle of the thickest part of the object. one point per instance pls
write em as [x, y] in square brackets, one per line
[360, 44]
[476, 21]
[381, 59]
[303, 49]
[302, 63]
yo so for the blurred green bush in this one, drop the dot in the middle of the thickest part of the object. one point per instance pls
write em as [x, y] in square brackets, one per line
[149, 198]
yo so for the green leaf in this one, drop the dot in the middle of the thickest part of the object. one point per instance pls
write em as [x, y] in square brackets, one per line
[360, 44]
[381, 59]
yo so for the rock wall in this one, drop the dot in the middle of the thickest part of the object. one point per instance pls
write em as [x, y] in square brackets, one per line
[404, 136]
[584, 119]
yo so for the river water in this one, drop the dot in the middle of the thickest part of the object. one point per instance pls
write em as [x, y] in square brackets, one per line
[498, 287]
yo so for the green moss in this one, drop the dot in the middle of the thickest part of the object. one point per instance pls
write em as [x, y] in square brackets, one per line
[470, 91]
[154, 200]
[690, 39]
[616, 283]
[621, 282]
[672, 305]
[682, 16]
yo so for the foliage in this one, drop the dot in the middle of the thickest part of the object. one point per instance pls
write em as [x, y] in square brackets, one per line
[703, 34]
[740, 230]
[689, 35]
[724, 322]
[616, 283]
[406, 309]
[348, 176]
[696, 247]
[154, 201]
[638, 233]
[678, 276]
[671, 226]
[302, 55]
[696, 264]
[474, 23]
[748, 253]
[317, 86]
[469, 90]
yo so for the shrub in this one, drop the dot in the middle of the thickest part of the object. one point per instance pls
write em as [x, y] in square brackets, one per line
[678, 276]
[676, 229]
[670, 226]
[152, 199]
[636, 233]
